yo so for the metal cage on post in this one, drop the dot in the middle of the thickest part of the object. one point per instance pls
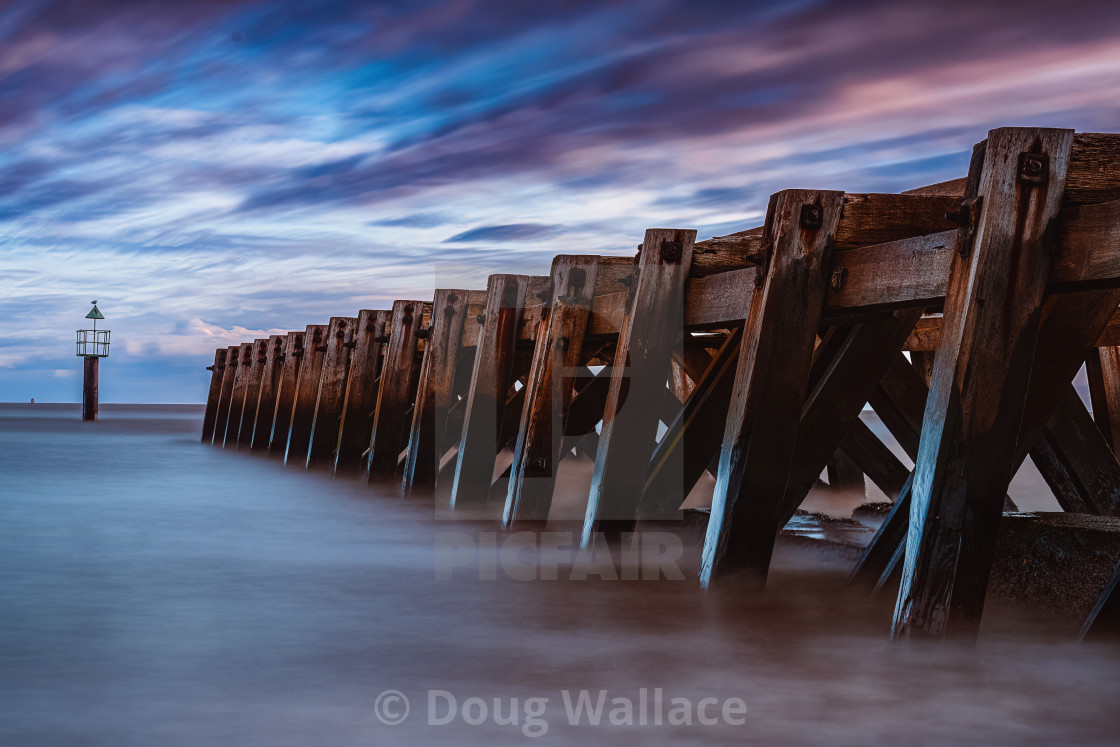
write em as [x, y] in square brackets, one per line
[93, 343]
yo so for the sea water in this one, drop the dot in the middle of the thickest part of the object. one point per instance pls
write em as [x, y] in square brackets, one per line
[158, 591]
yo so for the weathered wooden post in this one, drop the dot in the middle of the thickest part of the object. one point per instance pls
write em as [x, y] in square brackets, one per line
[360, 399]
[492, 378]
[396, 392]
[237, 395]
[548, 393]
[286, 393]
[993, 304]
[211, 411]
[332, 389]
[252, 393]
[435, 390]
[221, 417]
[653, 327]
[306, 393]
[266, 400]
[771, 383]
[93, 345]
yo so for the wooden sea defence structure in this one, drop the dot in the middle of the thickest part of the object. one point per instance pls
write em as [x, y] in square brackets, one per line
[959, 312]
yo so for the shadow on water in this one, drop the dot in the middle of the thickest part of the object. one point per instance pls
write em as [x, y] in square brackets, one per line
[157, 591]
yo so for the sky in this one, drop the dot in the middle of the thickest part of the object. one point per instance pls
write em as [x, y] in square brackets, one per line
[212, 172]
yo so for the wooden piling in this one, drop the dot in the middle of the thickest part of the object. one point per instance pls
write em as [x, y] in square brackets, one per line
[252, 393]
[266, 399]
[396, 392]
[652, 331]
[237, 394]
[286, 393]
[979, 384]
[435, 390]
[323, 438]
[492, 378]
[306, 393]
[360, 399]
[211, 411]
[548, 392]
[770, 383]
[221, 416]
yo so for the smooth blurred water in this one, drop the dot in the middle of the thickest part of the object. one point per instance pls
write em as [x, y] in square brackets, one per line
[155, 591]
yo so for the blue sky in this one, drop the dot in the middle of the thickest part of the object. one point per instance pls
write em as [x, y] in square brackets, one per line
[211, 172]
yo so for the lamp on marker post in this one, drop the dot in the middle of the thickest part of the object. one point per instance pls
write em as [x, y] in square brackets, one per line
[93, 345]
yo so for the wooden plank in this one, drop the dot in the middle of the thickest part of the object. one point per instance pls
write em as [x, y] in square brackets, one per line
[252, 393]
[992, 309]
[213, 395]
[875, 459]
[842, 379]
[845, 475]
[396, 392]
[286, 393]
[266, 400]
[548, 391]
[492, 376]
[1102, 368]
[652, 328]
[237, 395]
[221, 416]
[770, 383]
[435, 391]
[360, 399]
[306, 394]
[1102, 624]
[866, 219]
[692, 438]
[323, 439]
[1076, 461]
[719, 299]
[1093, 176]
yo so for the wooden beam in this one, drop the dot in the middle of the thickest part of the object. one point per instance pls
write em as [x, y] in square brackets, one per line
[396, 392]
[845, 475]
[652, 328]
[266, 400]
[435, 391]
[548, 392]
[1076, 461]
[213, 395]
[875, 459]
[692, 438]
[360, 399]
[770, 383]
[843, 377]
[306, 394]
[492, 376]
[323, 439]
[1102, 368]
[286, 393]
[992, 309]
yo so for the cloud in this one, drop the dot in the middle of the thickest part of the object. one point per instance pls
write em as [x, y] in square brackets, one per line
[509, 232]
[342, 154]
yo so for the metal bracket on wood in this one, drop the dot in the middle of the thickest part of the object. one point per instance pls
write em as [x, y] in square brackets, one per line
[1034, 169]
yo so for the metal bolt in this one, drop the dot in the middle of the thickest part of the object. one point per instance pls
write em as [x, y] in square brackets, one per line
[424, 333]
[1034, 169]
[812, 217]
[671, 252]
[562, 343]
[481, 318]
